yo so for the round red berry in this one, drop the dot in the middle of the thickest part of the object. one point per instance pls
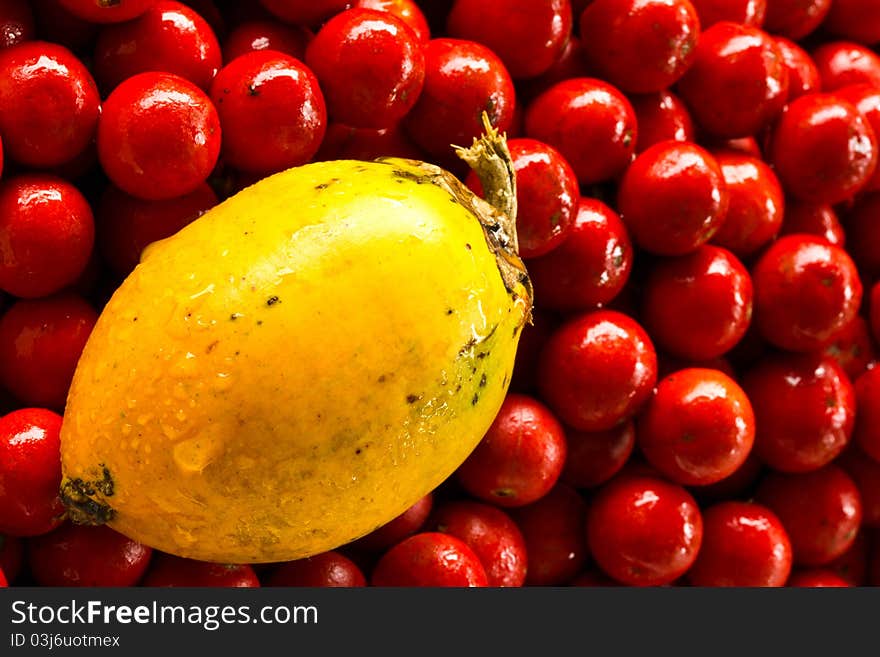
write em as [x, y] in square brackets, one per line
[673, 198]
[640, 46]
[80, 555]
[597, 369]
[841, 63]
[590, 122]
[167, 570]
[158, 137]
[327, 569]
[744, 544]
[818, 219]
[49, 104]
[644, 531]
[820, 510]
[806, 290]
[46, 235]
[795, 19]
[803, 76]
[661, 116]
[30, 472]
[429, 559]
[272, 112]
[865, 97]
[406, 10]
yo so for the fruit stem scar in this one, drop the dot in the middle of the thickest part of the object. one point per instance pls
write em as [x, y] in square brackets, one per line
[78, 497]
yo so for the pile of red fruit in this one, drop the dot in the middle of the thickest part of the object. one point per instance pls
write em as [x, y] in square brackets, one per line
[696, 402]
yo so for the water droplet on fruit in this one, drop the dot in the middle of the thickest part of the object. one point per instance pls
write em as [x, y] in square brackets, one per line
[194, 454]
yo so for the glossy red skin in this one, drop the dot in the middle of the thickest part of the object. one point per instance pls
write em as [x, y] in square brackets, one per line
[744, 544]
[107, 12]
[127, 224]
[590, 122]
[46, 235]
[738, 81]
[167, 570]
[30, 472]
[640, 46]
[11, 556]
[673, 198]
[345, 142]
[644, 531]
[272, 112]
[569, 64]
[823, 149]
[698, 428]
[406, 10]
[491, 534]
[159, 136]
[865, 97]
[308, 13]
[528, 35]
[803, 76]
[399, 528]
[857, 20]
[865, 472]
[590, 267]
[49, 104]
[821, 511]
[863, 234]
[746, 12]
[16, 22]
[795, 19]
[169, 37]
[841, 63]
[520, 458]
[697, 306]
[819, 219]
[853, 348]
[370, 66]
[804, 408]
[805, 291]
[328, 569]
[81, 555]
[553, 529]
[757, 204]
[594, 457]
[266, 35]
[817, 578]
[867, 428]
[462, 79]
[429, 559]
[547, 196]
[660, 116]
[56, 24]
[597, 370]
[40, 343]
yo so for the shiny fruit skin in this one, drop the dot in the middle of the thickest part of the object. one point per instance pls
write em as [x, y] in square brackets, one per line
[30, 472]
[158, 137]
[744, 544]
[438, 390]
[865, 97]
[597, 369]
[841, 63]
[821, 511]
[822, 149]
[591, 265]
[818, 219]
[746, 12]
[805, 291]
[661, 116]
[528, 35]
[519, 459]
[49, 104]
[795, 19]
[697, 306]
[803, 76]
[673, 198]
[640, 46]
[738, 81]
[272, 112]
[370, 67]
[491, 534]
[328, 569]
[429, 559]
[167, 570]
[406, 10]
[698, 428]
[804, 410]
[590, 122]
[75, 555]
[47, 232]
[169, 37]
[644, 531]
